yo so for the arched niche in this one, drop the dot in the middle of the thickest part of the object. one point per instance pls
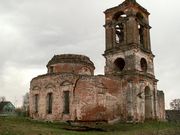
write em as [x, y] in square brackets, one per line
[143, 64]
[50, 86]
[66, 86]
[66, 83]
[36, 88]
[148, 103]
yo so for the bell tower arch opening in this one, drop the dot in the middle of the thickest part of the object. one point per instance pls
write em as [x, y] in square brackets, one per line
[143, 31]
[118, 26]
[119, 15]
[141, 34]
[141, 28]
[148, 103]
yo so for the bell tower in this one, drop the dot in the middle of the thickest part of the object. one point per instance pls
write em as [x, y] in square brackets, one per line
[128, 45]
[128, 56]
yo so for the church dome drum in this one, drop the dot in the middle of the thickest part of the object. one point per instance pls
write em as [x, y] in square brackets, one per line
[71, 63]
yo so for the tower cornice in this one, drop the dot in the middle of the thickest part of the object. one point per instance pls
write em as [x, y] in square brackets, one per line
[128, 4]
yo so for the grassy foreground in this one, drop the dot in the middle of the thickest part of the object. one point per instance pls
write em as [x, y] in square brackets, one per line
[24, 126]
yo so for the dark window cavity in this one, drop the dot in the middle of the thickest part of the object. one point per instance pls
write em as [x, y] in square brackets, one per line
[119, 63]
[51, 69]
[49, 103]
[141, 34]
[143, 63]
[140, 17]
[36, 99]
[66, 102]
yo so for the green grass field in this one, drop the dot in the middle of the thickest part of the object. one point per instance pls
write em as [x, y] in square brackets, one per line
[24, 126]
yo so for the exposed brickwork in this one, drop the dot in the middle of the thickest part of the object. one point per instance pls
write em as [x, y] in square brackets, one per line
[71, 63]
[128, 90]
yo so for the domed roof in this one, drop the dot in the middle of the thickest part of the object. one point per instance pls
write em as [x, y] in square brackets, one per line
[70, 58]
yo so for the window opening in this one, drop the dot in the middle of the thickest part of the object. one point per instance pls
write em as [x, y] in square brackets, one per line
[49, 103]
[119, 63]
[119, 33]
[141, 34]
[51, 69]
[143, 64]
[66, 102]
[36, 102]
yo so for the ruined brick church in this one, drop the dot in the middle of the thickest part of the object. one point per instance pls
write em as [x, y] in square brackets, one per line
[127, 92]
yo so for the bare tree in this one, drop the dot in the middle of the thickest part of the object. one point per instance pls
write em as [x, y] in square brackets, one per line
[2, 99]
[25, 106]
[175, 104]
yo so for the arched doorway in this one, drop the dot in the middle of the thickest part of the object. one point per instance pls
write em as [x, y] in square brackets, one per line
[148, 103]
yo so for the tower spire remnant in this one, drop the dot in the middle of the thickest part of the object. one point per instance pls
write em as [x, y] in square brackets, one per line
[133, 1]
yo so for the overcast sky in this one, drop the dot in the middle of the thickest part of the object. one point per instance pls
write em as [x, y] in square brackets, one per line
[32, 31]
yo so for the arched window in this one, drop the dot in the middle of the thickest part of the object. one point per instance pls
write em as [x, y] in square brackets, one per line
[119, 33]
[143, 63]
[140, 19]
[119, 63]
[141, 34]
[66, 102]
[49, 103]
[36, 102]
[118, 25]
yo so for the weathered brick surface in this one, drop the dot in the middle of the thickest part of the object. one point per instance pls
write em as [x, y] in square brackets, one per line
[92, 98]
[71, 63]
